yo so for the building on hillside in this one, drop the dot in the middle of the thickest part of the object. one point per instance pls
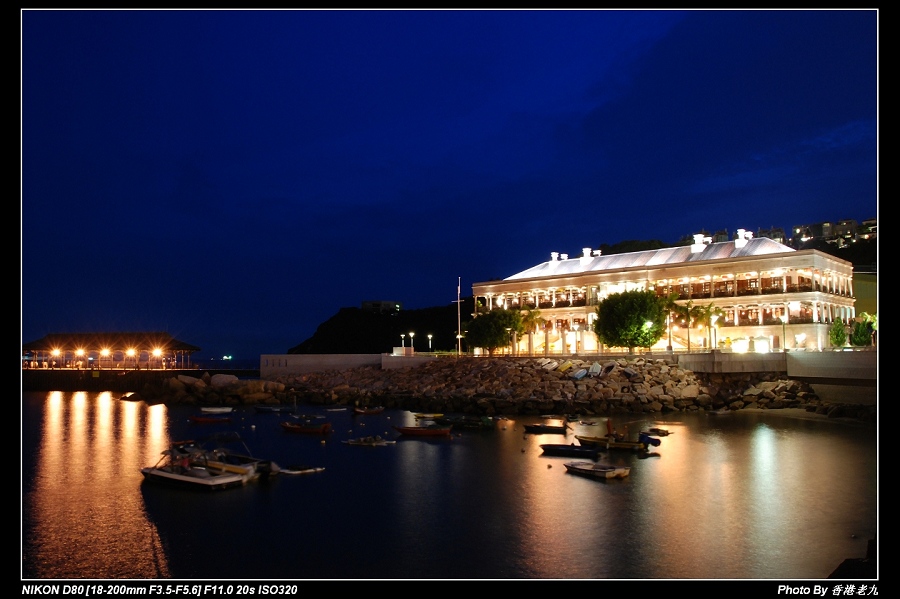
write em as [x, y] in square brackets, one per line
[108, 350]
[772, 296]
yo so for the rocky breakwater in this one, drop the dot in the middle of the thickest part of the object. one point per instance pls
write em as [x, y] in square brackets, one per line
[494, 386]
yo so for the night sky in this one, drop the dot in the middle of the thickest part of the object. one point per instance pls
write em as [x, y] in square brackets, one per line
[236, 177]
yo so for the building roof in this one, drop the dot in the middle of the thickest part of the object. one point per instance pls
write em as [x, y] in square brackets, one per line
[113, 341]
[666, 256]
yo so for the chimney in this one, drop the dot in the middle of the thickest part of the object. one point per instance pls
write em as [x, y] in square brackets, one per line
[742, 237]
[700, 243]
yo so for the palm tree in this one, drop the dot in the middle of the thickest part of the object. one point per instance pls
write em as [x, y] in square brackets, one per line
[691, 314]
[532, 321]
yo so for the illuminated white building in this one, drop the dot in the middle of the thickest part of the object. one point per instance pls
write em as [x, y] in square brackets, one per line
[767, 291]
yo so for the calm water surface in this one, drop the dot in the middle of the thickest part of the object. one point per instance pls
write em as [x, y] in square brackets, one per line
[752, 495]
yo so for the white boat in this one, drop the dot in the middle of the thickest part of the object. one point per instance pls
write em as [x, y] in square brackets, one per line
[231, 454]
[579, 374]
[185, 464]
[216, 409]
[601, 471]
[551, 365]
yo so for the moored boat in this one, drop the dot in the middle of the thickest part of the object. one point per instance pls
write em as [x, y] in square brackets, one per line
[424, 431]
[570, 451]
[372, 441]
[368, 409]
[272, 409]
[552, 429]
[600, 471]
[186, 464]
[216, 409]
[209, 418]
[307, 428]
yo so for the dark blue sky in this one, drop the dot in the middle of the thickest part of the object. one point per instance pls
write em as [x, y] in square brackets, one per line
[236, 177]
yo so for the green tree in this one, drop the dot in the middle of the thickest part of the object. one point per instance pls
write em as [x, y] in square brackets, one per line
[631, 319]
[837, 334]
[861, 335]
[532, 321]
[493, 329]
[689, 315]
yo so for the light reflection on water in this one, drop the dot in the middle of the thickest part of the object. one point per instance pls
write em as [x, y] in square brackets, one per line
[746, 496]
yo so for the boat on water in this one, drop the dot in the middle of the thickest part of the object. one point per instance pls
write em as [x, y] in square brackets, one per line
[424, 431]
[217, 409]
[570, 451]
[614, 440]
[467, 421]
[371, 441]
[227, 451]
[600, 471]
[209, 418]
[291, 470]
[186, 464]
[307, 428]
[654, 431]
[272, 409]
[368, 409]
[543, 428]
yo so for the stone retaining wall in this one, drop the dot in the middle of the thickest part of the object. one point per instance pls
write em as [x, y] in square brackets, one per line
[501, 386]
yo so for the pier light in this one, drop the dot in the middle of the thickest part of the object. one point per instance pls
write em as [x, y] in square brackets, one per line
[429, 341]
[783, 319]
[402, 340]
[411, 335]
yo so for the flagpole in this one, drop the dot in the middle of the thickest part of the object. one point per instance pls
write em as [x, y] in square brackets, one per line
[458, 319]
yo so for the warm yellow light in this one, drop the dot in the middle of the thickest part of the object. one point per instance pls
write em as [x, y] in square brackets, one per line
[55, 353]
[79, 352]
[104, 352]
[157, 352]
[130, 352]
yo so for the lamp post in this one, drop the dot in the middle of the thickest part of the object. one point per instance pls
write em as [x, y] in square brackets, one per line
[783, 319]
[669, 326]
[411, 335]
[402, 340]
[429, 342]
[712, 327]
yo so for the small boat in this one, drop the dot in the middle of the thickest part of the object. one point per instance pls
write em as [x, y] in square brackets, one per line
[720, 412]
[579, 374]
[617, 442]
[657, 432]
[551, 365]
[335, 409]
[376, 441]
[185, 464]
[427, 416]
[595, 369]
[570, 451]
[301, 470]
[424, 431]
[550, 429]
[368, 410]
[216, 409]
[306, 428]
[306, 416]
[587, 422]
[565, 366]
[231, 454]
[467, 421]
[600, 471]
[203, 419]
[272, 409]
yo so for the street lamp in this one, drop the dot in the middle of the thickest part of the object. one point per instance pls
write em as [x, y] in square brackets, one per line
[429, 342]
[411, 335]
[402, 340]
[712, 326]
[783, 319]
